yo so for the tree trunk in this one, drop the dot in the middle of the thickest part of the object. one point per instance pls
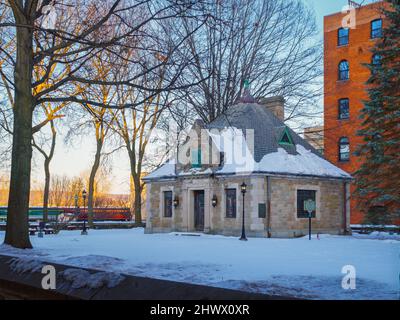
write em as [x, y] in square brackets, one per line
[92, 178]
[46, 190]
[17, 230]
[137, 205]
[47, 161]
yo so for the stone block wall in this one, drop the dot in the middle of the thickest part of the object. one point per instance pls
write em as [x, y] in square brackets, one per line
[283, 213]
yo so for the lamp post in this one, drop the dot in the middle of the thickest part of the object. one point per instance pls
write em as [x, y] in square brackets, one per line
[243, 188]
[84, 231]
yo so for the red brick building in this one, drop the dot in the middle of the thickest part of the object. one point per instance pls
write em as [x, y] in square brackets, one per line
[346, 48]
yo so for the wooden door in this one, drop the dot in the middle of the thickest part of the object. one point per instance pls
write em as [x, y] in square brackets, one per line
[199, 210]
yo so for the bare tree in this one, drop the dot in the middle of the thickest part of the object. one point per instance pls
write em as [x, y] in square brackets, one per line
[135, 128]
[74, 25]
[100, 117]
[60, 186]
[271, 43]
[76, 186]
[46, 164]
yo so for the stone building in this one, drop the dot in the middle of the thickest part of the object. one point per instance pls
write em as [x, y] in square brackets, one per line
[200, 189]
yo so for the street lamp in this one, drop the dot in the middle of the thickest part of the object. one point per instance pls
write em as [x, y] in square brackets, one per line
[84, 231]
[243, 188]
[214, 201]
[176, 201]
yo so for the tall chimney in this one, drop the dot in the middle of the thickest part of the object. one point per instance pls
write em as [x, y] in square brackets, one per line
[276, 105]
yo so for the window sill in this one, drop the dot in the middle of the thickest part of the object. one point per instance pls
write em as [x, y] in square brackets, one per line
[343, 119]
[342, 81]
[342, 45]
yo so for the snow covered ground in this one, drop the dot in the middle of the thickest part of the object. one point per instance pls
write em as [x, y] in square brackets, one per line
[294, 267]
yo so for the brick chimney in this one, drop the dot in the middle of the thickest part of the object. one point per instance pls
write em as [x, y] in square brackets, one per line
[276, 105]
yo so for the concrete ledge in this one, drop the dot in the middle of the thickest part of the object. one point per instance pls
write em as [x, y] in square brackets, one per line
[26, 284]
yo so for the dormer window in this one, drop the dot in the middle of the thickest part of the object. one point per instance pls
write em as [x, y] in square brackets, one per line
[221, 159]
[196, 158]
[285, 138]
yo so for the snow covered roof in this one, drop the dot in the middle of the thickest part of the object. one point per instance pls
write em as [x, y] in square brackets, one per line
[262, 154]
[167, 170]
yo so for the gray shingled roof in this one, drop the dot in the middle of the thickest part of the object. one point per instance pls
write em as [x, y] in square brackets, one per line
[267, 128]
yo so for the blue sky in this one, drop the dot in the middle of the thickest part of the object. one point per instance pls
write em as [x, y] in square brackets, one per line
[326, 7]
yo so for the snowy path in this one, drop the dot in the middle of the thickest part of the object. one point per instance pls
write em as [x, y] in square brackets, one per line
[297, 267]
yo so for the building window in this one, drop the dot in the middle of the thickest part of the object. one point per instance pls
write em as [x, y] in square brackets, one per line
[285, 138]
[343, 36]
[221, 159]
[304, 195]
[376, 63]
[262, 210]
[230, 203]
[376, 29]
[344, 108]
[344, 149]
[168, 204]
[376, 60]
[344, 70]
[196, 158]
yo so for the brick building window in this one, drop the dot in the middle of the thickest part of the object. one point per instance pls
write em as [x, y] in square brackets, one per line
[343, 36]
[376, 60]
[304, 195]
[376, 29]
[344, 70]
[343, 108]
[168, 204]
[344, 149]
[230, 195]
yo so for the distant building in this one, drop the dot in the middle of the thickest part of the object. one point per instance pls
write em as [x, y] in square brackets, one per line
[346, 50]
[315, 137]
[248, 144]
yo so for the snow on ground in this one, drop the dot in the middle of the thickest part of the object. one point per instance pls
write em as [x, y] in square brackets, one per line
[294, 267]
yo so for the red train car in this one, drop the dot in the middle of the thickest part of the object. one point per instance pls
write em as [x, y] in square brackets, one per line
[101, 214]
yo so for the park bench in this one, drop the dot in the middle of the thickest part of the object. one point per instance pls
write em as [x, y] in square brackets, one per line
[33, 229]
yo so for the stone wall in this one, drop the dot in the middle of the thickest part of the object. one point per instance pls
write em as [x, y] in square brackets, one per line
[329, 207]
[283, 215]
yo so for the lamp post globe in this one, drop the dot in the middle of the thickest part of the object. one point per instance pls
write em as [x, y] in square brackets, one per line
[243, 189]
